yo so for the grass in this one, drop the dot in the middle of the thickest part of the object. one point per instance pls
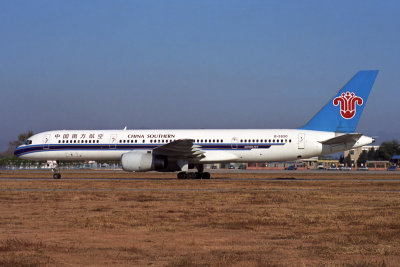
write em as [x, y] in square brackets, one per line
[221, 223]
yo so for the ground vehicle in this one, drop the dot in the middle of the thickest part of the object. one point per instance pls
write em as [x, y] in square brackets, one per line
[321, 167]
[362, 169]
[392, 168]
[291, 168]
[333, 168]
[345, 168]
[231, 167]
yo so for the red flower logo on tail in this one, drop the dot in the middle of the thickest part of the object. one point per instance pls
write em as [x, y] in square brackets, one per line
[348, 103]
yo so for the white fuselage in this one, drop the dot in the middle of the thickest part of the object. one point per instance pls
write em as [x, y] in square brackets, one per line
[219, 145]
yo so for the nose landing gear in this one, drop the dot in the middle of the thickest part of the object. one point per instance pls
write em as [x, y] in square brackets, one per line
[56, 172]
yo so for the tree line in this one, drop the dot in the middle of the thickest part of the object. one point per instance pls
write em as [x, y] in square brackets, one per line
[385, 153]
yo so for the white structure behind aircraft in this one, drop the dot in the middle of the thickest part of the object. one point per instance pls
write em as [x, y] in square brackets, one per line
[330, 130]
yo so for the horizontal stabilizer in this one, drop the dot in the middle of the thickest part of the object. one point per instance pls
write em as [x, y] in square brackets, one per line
[342, 139]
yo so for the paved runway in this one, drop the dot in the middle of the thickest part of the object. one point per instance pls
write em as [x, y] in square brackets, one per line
[286, 179]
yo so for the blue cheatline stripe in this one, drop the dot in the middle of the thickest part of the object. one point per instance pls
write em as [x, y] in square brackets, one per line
[109, 147]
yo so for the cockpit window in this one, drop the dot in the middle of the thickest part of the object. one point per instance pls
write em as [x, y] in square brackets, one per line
[28, 142]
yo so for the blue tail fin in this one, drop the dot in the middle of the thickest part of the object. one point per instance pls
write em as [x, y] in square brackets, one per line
[343, 111]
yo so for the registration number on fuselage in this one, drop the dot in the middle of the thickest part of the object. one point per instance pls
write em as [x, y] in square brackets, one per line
[280, 136]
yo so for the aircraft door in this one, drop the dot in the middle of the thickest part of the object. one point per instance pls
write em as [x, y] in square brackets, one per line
[302, 141]
[113, 141]
[235, 142]
[46, 141]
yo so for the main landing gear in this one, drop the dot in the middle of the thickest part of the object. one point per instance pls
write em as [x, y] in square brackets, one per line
[56, 172]
[200, 174]
[194, 175]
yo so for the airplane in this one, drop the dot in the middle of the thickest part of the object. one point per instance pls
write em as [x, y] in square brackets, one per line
[331, 130]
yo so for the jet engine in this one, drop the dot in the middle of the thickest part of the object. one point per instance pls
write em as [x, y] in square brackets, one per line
[142, 161]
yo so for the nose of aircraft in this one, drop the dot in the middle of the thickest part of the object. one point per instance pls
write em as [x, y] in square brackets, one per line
[17, 151]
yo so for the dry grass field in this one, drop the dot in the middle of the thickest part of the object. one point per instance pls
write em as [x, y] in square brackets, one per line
[316, 219]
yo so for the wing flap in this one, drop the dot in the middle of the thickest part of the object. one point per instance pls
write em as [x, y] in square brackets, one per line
[184, 148]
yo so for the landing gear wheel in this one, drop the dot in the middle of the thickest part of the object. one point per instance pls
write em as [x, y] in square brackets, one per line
[206, 175]
[191, 175]
[56, 172]
[182, 175]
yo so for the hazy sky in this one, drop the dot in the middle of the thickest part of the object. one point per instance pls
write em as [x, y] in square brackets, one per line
[192, 64]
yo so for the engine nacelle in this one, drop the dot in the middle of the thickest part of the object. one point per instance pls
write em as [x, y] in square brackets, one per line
[141, 161]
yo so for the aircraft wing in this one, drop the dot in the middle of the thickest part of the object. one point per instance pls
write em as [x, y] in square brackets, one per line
[184, 148]
[342, 139]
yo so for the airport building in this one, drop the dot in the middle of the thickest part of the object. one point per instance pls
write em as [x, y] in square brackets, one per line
[356, 152]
